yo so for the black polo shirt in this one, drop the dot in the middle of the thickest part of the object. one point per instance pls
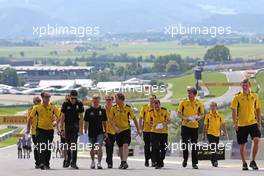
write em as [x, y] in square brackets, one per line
[95, 117]
[71, 113]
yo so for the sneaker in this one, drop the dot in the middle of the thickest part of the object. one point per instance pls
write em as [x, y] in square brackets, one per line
[47, 168]
[109, 166]
[99, 166]
[158, 167]
[215, 164]
[67, 164]
[161, 164]
[93, 165]
[195, 166]
[64, 164]
[125, 165]
[121, 165]
[184, 163]
[146, 163]
[244, 166]
[42, 167]
[74, 166]
[37, 167]
[253, 165]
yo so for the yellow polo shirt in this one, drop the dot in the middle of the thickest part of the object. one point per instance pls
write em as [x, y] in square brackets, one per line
[246, 105]
[191, 108]
[109, 127]
[144, 114]
[45, 115]
[214, 122]
[159, 117]
[120, 116]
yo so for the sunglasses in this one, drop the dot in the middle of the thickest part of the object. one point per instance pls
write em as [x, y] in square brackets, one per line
[47, 96]
[73, 98]
[108, 99]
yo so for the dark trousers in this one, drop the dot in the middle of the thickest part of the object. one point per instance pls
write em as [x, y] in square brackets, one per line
[213, 141]
[109, 147]
[189, 135]
[44, 139]
[159, 142]
[71, 137]
[147, 146]
[36, 153]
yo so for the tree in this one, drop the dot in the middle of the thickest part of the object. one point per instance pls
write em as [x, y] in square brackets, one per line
[218, 53]
[83, 92]
[172, 66]
[10, 77]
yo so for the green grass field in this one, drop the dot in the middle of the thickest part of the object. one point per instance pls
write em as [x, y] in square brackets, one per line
[260, 81]
[4, 130]
[10, 141]
[11, 110]
[247, 51]
[180, 84]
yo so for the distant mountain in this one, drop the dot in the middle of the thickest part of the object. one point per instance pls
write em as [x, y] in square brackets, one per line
[17, 17]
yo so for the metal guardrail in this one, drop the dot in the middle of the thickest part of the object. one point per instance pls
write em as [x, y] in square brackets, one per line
[9, 133]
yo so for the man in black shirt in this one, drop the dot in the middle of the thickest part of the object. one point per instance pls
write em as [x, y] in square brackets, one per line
[72, 117]
[96, 119]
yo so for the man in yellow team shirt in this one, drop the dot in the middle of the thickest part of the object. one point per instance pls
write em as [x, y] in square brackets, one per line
[32, 123]
[247, 121]
[190, 110]
[111, 137]
[213, 123]
[146, 128]
[46, 114]
[120, 115]
[159, 120]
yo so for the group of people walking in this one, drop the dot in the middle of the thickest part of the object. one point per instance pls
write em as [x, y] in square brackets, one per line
[110, 123]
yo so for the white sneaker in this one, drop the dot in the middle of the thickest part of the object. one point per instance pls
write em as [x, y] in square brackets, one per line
[93, 165]
[99, 166]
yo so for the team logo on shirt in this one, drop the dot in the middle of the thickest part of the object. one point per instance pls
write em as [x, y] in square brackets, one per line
[68, 107]
[77, 107]
[100, 113]
[91, 113]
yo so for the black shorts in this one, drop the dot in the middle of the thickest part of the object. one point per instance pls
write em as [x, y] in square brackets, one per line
[123, 137]
[243, 132]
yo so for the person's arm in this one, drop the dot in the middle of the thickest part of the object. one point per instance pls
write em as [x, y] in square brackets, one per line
[234, 117]
[81, 123]
[29, 122]
[201, 113]
[31, 115]
[141, 118]
[86, 123]
[259, 118]
[168, 119]
[105, 123]
[225, 131]
[137, 126]
[258, 111]
[205, 127]
[132, 115]
[62, 121]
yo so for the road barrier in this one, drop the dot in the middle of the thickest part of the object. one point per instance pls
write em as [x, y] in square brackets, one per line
[8, 120]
